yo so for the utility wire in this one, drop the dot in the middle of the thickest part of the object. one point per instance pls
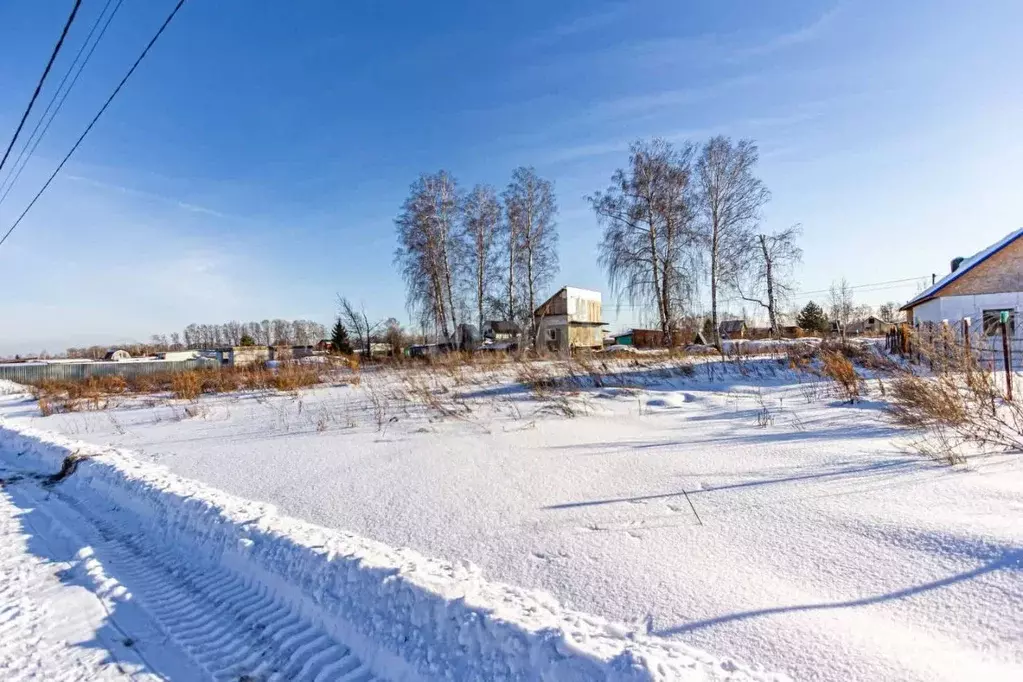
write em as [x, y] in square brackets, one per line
[42, 79]
[106, 104]
[12, 176]
[869, 287]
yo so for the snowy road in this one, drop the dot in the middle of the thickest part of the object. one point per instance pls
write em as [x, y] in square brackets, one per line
[85, 599]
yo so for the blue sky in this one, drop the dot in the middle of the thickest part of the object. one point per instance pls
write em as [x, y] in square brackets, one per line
[253, 166]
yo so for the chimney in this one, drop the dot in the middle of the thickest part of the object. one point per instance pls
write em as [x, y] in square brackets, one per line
[934, 278]
[956, 262]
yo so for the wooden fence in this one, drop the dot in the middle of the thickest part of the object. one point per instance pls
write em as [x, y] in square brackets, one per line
[29, 372]
[936, 343]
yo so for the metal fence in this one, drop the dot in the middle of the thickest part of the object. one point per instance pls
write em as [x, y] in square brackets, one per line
[33, 372]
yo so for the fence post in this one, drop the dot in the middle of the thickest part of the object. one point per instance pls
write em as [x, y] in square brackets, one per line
[1006, 354]
[946, 357]
[930, 345]
[966, 341]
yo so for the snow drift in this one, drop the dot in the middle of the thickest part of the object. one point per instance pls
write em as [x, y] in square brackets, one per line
[406, 616]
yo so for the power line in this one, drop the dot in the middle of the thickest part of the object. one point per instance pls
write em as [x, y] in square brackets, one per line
[42, 79]
[33, 141]
[867, 288]
[106, 104]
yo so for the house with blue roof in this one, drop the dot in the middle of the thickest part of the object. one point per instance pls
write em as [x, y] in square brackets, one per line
[979, 289]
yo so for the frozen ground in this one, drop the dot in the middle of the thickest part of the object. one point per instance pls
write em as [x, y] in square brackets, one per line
[811, 542]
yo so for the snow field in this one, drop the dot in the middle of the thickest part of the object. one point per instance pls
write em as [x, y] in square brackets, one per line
[345, 604]
[824, 546]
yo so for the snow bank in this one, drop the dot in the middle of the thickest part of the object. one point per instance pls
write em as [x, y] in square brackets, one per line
[407, 616]
[8, 387]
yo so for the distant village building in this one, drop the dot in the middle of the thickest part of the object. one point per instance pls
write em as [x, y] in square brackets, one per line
[375, 350]
[870, 326]
[569, 319]
[117, 355]
[280, 353]
[177, 355]
[979, 288]
[732, 329]
[642, 338]
[502, 330]
[242, 356]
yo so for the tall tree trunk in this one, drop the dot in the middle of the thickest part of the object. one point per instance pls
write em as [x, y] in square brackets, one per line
[770, 287]
[451, 297]
[654, 261]
[716, 333]
[511, 274]
[480, 277]
[529, 266]
[440, 309]
[532, 304]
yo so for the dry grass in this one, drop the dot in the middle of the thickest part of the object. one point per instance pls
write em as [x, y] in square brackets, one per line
[101, 392]
[840, 369]
[961, 406]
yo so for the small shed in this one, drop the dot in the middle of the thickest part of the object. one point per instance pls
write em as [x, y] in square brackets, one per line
[642, 338]
[502, 330]
[870, 326]
[117, 354]
[242, 356]
[733, 329]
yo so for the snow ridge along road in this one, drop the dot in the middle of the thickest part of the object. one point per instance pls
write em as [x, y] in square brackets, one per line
[198, 584]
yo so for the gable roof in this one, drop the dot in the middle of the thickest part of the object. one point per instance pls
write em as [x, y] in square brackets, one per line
[964, 267]
[729, 326]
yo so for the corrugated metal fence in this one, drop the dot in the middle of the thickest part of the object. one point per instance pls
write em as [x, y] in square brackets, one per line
[32, 372]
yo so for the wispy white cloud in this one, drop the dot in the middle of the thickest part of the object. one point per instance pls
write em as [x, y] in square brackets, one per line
[581, 24]
[652, 101]
[800, 36]
[183, 205]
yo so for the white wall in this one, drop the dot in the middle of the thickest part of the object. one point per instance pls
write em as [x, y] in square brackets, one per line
[579, 304]
[955, 308]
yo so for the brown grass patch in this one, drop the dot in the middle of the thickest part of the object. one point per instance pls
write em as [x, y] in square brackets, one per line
[101, 392]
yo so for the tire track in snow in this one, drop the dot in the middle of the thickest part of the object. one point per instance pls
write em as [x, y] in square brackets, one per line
[228, 628]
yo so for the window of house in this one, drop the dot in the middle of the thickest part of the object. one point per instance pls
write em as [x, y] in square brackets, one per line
[552, 334]
[993, 319]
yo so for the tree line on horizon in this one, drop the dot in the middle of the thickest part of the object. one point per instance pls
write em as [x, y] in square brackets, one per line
[199, 336]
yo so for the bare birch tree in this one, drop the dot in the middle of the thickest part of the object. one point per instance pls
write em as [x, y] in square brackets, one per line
[650, 240]
[281, 332]
[731, 199]
[840, 300]
[481, 222]
[357, 323]
[428, 250]
[533, 238]
[767, 279]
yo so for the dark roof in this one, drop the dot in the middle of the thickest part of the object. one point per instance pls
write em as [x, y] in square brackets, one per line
[964, 267]
[504, 327]
[729, 326]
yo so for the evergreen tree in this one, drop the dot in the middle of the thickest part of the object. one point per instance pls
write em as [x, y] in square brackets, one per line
[812, 318]
[339, 339]
[247, 340]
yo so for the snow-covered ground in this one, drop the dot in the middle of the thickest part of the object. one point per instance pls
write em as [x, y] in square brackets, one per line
[748, 515]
